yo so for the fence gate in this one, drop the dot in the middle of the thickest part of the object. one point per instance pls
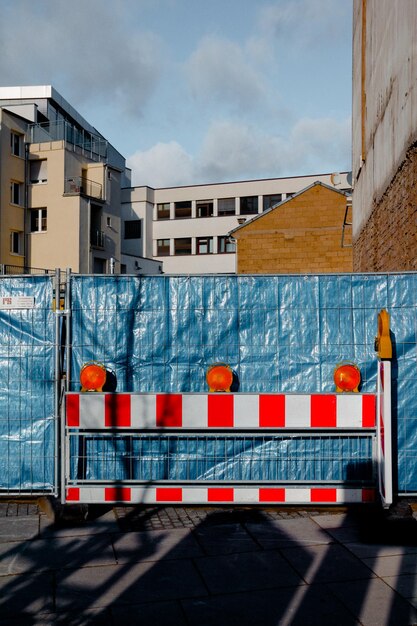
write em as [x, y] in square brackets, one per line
[29, 379]
[283, 437]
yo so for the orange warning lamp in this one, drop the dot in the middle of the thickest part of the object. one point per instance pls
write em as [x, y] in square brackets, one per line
[347, 377]
[92, 377]
[219, 377]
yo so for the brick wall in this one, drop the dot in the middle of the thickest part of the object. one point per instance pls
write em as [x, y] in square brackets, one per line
[388, 241]
[301, 236]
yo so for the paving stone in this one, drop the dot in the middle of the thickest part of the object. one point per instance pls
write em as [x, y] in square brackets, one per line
[294, 606]
[64, 552]
[335, 520]
[225, 539]
[395, 565]
[345, 534]
[166, 613]
[367, 550]
[246, 572]
[9, 553]
[26, 594]
[127, 584]
[374, 603]
[317, 564]
[405, 585]
[97, 617]
[281, 533]
[95, 527]
[153, 545]
[18, 529]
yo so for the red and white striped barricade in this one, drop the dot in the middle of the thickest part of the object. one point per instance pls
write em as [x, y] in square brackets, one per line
[199, 411]
[207, 413]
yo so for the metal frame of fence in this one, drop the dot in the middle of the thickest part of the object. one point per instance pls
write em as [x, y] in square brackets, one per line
[30, 409]
[71, 449]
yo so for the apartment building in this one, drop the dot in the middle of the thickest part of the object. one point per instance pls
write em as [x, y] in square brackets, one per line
[187, 227]
[66, 200]
[60, 189]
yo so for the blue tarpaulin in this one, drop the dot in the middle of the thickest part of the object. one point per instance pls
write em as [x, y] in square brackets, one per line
[27, 425]
[278, 333]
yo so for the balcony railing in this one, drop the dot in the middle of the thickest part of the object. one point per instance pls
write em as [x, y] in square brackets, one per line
[11, 270]
[91, 145]
[78, 186]
[97, 238]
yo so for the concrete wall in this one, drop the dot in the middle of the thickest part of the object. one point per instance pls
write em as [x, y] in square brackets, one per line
[303, 235]
[384, 132]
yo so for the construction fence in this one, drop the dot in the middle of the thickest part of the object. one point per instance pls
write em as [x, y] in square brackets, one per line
[159, 334]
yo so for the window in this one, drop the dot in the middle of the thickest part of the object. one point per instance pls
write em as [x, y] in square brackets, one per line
[162, 211]
[16, 242]
[133, 229]
[270, 201]
[99, 265]
[182, 209]
[123, 268]
[16, 144]
[205, 245]
[204, 208]
[226, 206]
[249, 205]
[162, 247]
[16, 193]
[38, 220]
[182, 246]
[225, 245]
[38, 171]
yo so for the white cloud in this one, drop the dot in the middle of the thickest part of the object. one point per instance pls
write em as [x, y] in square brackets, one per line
[220, 71]
[83, 48]
[324, 140]
[233, 151]
[163, 165]
[304, 22]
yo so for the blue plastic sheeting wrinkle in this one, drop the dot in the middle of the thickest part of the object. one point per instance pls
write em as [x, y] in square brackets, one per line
[278, 333]
[27, 424]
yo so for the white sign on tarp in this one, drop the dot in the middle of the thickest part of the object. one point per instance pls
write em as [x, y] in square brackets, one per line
[17, 302]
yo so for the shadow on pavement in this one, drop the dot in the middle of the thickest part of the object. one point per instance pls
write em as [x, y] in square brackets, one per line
[228, 567]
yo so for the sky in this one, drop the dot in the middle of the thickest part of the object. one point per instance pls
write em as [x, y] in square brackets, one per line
[195, 91]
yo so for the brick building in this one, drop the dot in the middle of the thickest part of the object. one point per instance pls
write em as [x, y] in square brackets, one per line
[308, 233]
[384, 135]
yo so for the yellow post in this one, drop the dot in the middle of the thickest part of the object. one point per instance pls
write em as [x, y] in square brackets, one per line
[383, 344]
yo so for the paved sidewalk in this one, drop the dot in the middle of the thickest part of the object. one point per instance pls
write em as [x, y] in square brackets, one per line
[202, 566]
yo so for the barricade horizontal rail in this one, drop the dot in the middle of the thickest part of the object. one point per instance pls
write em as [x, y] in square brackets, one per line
[180, 494]
[227, 410]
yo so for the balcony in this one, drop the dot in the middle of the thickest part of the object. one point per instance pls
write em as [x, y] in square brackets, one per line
[78, 186]
[97, 238]
[91, 145]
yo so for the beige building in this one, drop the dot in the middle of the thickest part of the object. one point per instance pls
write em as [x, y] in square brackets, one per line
[12, 189]
[307, 233]
[188, 227]
[60, 194]
[384, 135]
